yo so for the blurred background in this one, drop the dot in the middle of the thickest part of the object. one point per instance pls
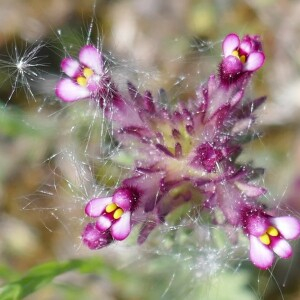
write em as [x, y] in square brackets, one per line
[46, 176]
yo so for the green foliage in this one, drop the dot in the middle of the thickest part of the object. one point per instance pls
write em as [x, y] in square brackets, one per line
[14, 122]
[164, 277]
[41, 275]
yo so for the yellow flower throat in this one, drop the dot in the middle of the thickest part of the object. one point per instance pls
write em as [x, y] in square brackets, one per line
[86, 74]
[265, 238]
[115, 209]
[242, 58]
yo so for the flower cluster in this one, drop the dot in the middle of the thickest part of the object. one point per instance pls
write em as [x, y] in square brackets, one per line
[184, 155]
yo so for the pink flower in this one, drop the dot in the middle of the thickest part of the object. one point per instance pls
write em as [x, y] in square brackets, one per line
[113, 214]
[241, 55]
[85, 75]
[269, 235]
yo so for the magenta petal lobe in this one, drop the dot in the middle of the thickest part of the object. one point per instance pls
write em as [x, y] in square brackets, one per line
[231, 65]
[289, 227]
[230, 43]
[67, 90]
[255, 61]
[96, 206]
[123, 197]
[90, 57]
[257, 225]
[71, 67]
[103, 223]
[122, 227]
[245, 47]
[260, 255]
[282, 248]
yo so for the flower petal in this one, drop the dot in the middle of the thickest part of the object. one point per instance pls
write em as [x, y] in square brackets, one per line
[254, 61]
[122, 227]
[231, 65]
[245, 47]
[261, 256]
[95, 239]
[257, 225]
[282, 248]
[71, 67]
[90, 57]
[230, 43]
[123, 197]
[289, 227]
[94, 83]
[103, 223]
[67, 90]
[96, 207]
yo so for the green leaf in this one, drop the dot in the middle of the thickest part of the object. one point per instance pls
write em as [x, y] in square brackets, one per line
[7, 273]
[14, 122]
[42, 275]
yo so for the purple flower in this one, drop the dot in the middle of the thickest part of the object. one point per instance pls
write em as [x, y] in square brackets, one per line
[113, 214]
[85, 75]
[267, 235]
[240, 56]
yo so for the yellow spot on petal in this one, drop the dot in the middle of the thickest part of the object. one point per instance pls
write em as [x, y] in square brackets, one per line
[235, 53]
[110, 207]
[272, 231]
[81, 81]
[243, 58]
[87, 72]
[118, 213]
[265, 239]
